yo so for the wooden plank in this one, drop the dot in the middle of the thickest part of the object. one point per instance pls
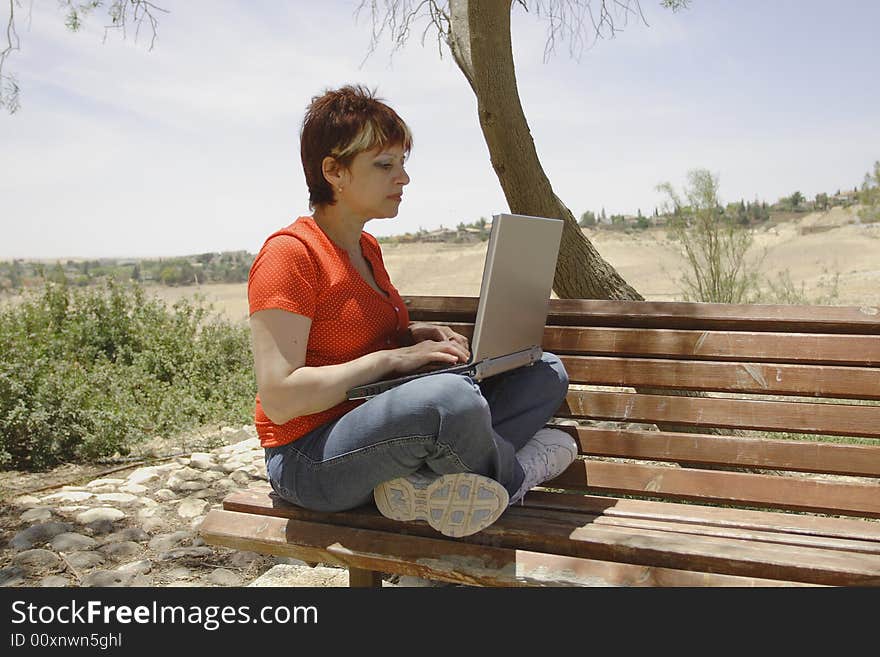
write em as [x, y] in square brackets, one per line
[719, 376]
[793, 417]
[864, 320]
[739, 451]
[262, 501]
[442, 559]
[747, 489]
[788, 525]
[804, 348]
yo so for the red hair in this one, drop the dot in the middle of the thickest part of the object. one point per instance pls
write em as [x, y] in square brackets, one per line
[340, 124]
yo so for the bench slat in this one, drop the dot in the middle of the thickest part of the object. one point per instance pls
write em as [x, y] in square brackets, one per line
[704, 449]
[805, 348]
[671, 314]
[788, 525]
[793, 493]
[784, 416]
[451, 561]
[577, 534]
[719, 376]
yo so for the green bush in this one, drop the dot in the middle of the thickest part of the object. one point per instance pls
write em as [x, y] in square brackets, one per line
[86, 373]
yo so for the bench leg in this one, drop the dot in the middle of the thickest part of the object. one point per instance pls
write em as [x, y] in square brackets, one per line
[364, 578]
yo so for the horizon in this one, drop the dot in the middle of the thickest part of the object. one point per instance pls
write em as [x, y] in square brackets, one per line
[119, 151]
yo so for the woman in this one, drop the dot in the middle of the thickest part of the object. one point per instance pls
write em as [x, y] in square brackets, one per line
[325, 318]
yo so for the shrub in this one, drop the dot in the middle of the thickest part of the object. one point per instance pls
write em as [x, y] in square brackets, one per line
[86, 373]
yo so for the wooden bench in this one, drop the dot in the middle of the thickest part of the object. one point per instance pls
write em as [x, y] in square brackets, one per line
[767, 476]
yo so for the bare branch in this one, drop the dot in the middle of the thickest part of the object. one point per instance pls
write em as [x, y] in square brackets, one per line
[398, 17]
[122, 13]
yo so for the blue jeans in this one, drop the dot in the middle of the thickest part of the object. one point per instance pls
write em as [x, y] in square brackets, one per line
[445, 422]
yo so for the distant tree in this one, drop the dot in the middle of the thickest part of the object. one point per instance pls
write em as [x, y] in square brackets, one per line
[822, 201]
[136, 273]
[713, 245]
[869, 197]
[795, 200]
[588, 219]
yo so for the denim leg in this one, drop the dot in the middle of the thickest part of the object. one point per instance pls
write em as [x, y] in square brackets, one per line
[523, 399]
[441, 422]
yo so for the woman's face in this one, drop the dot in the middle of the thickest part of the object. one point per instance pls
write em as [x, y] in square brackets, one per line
[372, 187]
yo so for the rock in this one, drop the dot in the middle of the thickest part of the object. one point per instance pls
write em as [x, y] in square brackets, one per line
[189, 485]
[55, 581]
[288, 575]
[37, 514]
[84, 560]
[165, 542]
[71, 542]
[116, 498]
[243, 558]
[69, 496]
[224, 577]
[26, 501]
[134, 489]
[240, 477]
[190, 508]
[97, 483]
[123, 550]
[128, 534]
[202, 461]
[12, 576]
[152, 524]
[179, 572]
[37, 558]
[39, 533]
[143, 476]
[100, 513]
[101, 526]
[165, 494]
[107, 578]
[182, 552]
[141, 567]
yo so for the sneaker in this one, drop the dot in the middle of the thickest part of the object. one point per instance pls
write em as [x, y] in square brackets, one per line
[547, 454]
[455, 504]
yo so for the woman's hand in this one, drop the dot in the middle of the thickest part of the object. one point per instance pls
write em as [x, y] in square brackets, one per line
[445, 352]
[421, 331]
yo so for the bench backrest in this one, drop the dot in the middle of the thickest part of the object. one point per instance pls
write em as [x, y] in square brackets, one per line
[786, 413]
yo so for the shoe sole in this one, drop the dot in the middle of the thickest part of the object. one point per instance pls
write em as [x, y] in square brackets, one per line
[455, 505]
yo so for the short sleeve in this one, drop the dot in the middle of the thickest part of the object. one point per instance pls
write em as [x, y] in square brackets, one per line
[283, 276]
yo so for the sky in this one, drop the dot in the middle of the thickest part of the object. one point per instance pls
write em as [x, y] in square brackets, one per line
[122, 150]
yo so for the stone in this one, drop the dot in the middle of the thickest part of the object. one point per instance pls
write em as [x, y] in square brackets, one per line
[25, 501]
[100, 513]
[69, 496]
[182, 552]
[134, 489]
[289, 575]
[164, 542]
[55, 581]
[39, 533]
[243, 558]
[190, 485]
[107, 578]
[84, 560]
[101, 526]
[12, 576]
[117, 498]
[179, 572]
[143, 476]
[96, 483]
[37, 514]
[128, 534]
[190, 508]
[152, 524]
[140, 567]
[201, 461]
[72, 542]
[165, 495]
[240, 477]
[224, 577]
[123, 550]
[37, 558]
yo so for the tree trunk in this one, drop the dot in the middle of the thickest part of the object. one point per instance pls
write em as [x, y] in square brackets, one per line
[479, 38]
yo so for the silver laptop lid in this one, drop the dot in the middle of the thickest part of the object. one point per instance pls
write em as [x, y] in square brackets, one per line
[517, 281]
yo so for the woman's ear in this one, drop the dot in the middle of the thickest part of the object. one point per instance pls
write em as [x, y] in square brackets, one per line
[333, 172]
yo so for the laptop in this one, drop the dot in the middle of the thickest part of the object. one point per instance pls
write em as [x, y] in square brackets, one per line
[514, 297]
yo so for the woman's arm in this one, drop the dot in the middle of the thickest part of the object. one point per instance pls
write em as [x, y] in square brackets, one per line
[289, 389]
